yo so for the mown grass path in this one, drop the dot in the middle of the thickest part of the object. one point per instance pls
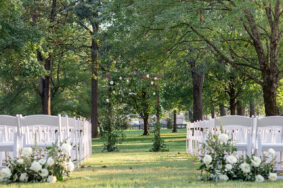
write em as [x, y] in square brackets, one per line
[135, 166]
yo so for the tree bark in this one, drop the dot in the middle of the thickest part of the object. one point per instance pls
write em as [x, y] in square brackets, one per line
[45, 89]
[222, 110]
[212, 111]
[270, 97]
[191, 118]
[145, 125]
[240, 108]
[175, 122]
[198, 79]
[252, 109]
[94, 89]
[145, 114]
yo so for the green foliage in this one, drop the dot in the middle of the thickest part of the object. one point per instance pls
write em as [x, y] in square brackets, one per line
[158, 142]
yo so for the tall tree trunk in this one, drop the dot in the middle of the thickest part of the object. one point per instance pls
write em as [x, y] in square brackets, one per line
[222, 110]
[45, 89]
[269, 96]
[252, 108]
[94, 89]
[45, 83]
[198, 78]
[145, 125]
[191, 117]
[175, 122]
[232, 97]
[212, 111]
[145, 114]
[240, 108]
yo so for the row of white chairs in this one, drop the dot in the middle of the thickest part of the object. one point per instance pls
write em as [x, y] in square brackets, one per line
[250, 135]
[17, 132]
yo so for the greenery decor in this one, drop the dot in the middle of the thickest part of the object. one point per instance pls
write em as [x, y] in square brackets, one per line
[220, 162]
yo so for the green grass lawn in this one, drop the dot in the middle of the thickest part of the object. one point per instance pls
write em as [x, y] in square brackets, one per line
[135, 166]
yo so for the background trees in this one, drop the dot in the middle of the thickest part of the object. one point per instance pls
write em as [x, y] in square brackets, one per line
[215, 58]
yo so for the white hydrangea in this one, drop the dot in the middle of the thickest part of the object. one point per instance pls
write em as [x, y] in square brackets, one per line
[24, 177]
[259, 178]
[42, 161]
[35, 166]
[228, 167]
[50, 161]
[51, 179]
[223, 177]
[20, 161]
[245, 167]
[223, 138]
[272, 176]
[5, 173]
[26, 152]
[207, 159]
[44, 173]
[256, 161]
[231, 159]
[271, 152]
[66, 148]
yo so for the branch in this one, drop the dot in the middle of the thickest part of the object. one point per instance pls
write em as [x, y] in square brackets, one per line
[224, 57]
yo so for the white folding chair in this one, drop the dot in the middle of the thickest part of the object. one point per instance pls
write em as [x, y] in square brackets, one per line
[240, 129]
[41, 130]
[9, 136]
[270, 135]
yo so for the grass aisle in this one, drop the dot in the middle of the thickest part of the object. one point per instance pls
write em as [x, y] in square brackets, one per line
[134, 166]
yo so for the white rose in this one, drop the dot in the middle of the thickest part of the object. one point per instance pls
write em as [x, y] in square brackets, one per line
[231, 159]
[256, 161]
[223, 177]
[44, 173]
[42, 161]
[207, 159]
[50, 161]
[111, 82]
[147, 75]
[120, 78]
[272, 176]
[35, 166]
[259, 178]
[26, 152]
[228, 167]
[66, 148]
[20, 161]
[271, 152]
[151, 82]
[70, 166]
[107, 100]
[24, 177]
[223, 138]
[245, 167]
[51, 179]
[6, 173]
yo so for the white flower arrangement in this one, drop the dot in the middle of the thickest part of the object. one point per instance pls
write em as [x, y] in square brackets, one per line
[272, 176]
[259, 178]
[219, 162]
[245, 167]
[43, 165]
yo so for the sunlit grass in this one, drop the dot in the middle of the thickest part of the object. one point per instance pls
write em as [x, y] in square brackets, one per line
[135, 166]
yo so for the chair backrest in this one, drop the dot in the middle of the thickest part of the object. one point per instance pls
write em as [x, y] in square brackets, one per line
[270, 129]
[45, 120]
[271, 121]
[6, 120]
[238, 127]
[234, 121]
